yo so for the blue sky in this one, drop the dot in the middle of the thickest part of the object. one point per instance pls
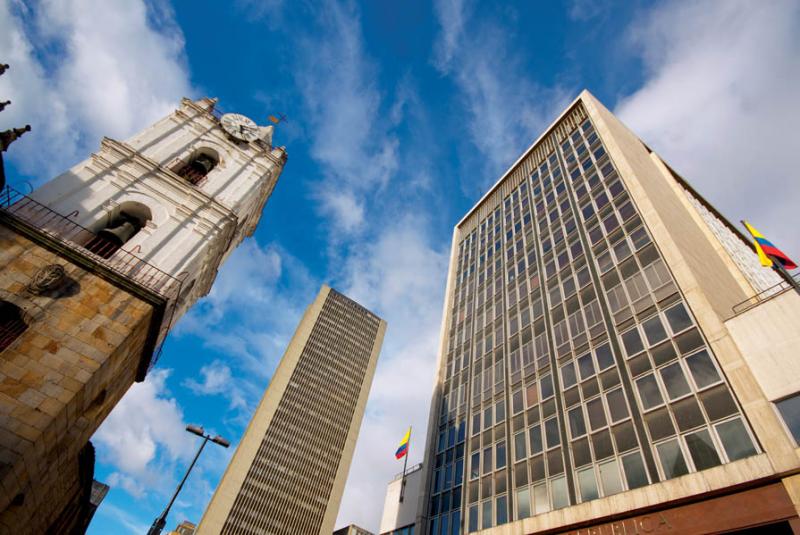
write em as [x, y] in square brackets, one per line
[399, 118]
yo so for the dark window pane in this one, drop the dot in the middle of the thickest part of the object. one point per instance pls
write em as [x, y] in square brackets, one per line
[602, 445]
[555, 463]
[701, 448]
[586, 366]
[648, 392]
[718, 403]
[597, 417]
[735, 440]
[475, 463]
[519, 446]
[616, 405]
[535, 435]
[790, 412]
[674, 381]
[500, 451]
[568, 375]
[581, 453]
[635, 474]
[659, 424]
[502, 510]
[687, 414]
[703, 370]
[551, 432]
[654, 330]
[604, 356]
[632, 342]
[672, 461]
[625, 437]
[663, 353]
[576, 424]
[678, 318]
[547, 386]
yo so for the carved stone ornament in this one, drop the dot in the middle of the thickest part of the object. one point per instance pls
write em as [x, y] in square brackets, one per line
[47, 279]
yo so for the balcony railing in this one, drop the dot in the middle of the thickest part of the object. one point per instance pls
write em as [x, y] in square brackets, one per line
[764, 295]
[70, 234]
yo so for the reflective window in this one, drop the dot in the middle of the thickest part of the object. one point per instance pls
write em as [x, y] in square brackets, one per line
[703, 370]
[789, 409]
[735, 440]
[648, 392]
[672, 461]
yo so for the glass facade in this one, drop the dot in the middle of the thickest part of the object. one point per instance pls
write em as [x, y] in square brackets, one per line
[574, 368]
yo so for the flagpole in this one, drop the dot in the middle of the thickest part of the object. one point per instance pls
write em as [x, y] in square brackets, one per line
[405, 463]
[777, 265]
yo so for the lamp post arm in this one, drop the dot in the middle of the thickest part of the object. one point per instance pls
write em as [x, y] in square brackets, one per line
[161, 521]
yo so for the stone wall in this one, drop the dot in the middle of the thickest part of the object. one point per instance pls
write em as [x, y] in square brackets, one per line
[59, 379]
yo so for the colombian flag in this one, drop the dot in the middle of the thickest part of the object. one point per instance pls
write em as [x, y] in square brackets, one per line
[403, 449]
[764, 248]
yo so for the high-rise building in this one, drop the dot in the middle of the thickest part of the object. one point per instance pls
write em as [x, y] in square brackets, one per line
[95, 267]
[288, 472]
[613, 357]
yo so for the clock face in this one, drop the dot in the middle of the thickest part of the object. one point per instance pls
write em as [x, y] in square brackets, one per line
[240, 127]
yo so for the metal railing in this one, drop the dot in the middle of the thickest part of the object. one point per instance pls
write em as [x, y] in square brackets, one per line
[764, 295]
[74, 236]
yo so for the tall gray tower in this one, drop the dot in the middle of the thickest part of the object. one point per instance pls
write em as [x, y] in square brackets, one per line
[288, 473]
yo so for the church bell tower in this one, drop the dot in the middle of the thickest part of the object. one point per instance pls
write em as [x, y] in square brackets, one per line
[95, 268]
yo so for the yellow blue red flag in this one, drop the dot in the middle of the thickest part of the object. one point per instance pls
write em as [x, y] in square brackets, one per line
[403, 449]
[767, 252]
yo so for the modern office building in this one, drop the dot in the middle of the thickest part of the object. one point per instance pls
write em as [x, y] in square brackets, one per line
[400, 517]
[288, 473]
[613, 358]
[95, 268]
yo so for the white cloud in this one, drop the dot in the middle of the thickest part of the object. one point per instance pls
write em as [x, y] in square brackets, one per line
[399, 276]
[84, 69]
[720, 104]
[351, 141]
[217, 380]
[505, 108]
[145, 423]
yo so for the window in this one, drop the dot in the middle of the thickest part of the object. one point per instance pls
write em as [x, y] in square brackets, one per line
[197, 168]
[674, 381]
[672, 461]
[609, 477]
[523, 503]
[648, 392]
[735, 440]
[678, 318]
[486, 515]
[702, 450]
[519, 446]
[500, 457]
[12, 324]
[703, 371]
[587, 482]
[474, 467]
[605, 359]
[502, 510]
[120, 229]
[617, 407]
[551, 432]
[535, 435]
[577, 426]
[789, 409]
[635, 474]
[568, 375]
[654, 330]
[632, 342]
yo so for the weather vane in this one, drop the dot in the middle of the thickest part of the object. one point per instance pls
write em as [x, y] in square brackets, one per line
[279, 119]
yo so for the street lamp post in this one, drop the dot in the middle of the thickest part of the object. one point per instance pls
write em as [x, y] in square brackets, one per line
[161, 521]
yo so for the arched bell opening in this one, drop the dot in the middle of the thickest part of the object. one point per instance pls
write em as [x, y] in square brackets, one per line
[201, 163]
[12, 323]
[122, 226]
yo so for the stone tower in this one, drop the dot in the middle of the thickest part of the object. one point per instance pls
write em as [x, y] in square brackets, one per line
[95, 267]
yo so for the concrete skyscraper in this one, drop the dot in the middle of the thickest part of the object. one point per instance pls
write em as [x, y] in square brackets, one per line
[95, 267]
[288, 473]
[613, 358]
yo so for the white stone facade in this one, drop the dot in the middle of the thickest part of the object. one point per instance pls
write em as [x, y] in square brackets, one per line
[191, 229]
[758, 276]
